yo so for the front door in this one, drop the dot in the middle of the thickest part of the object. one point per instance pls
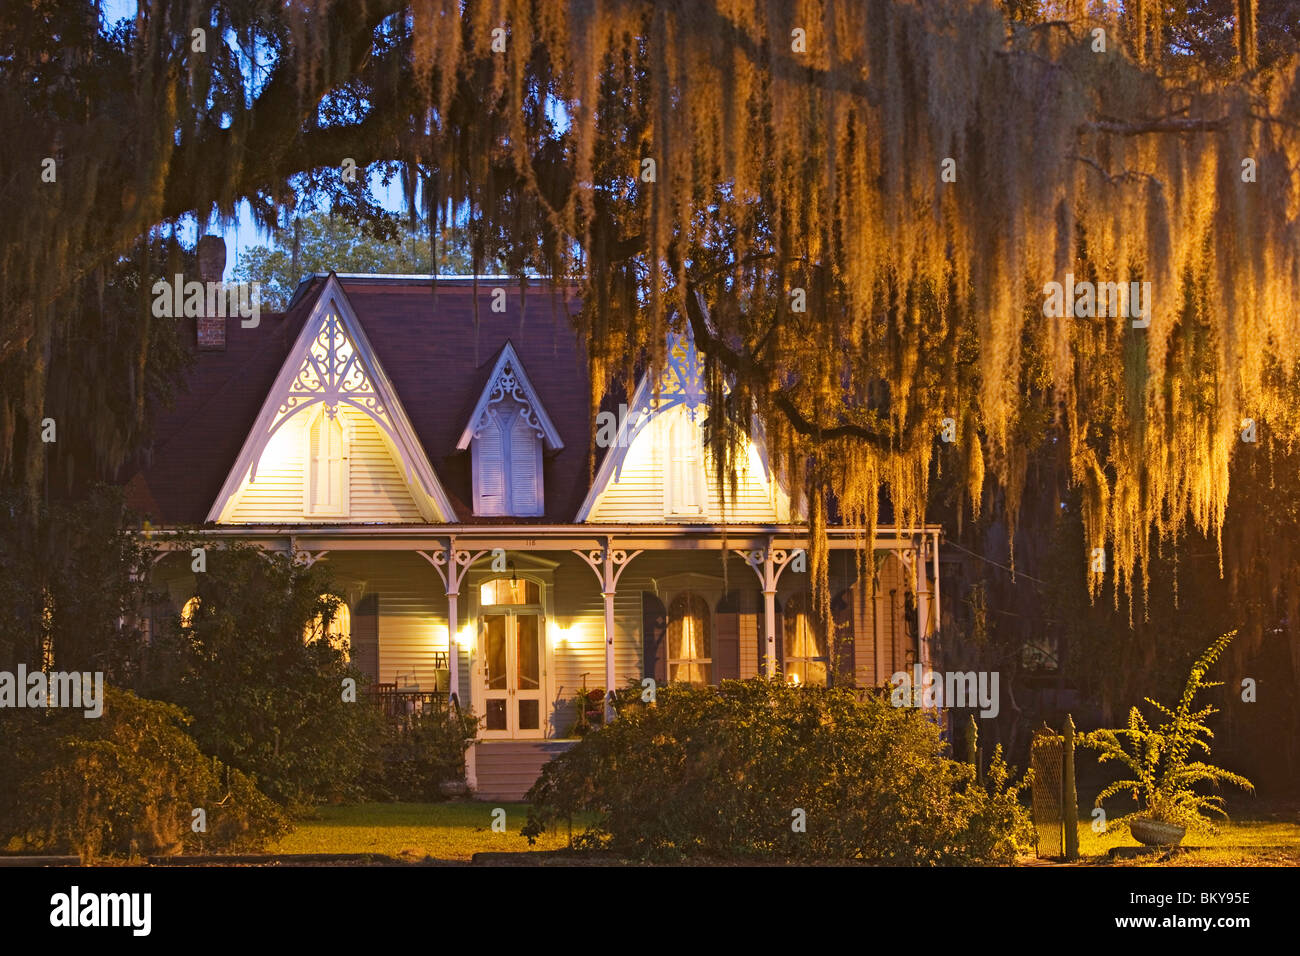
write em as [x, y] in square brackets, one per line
[510, 645]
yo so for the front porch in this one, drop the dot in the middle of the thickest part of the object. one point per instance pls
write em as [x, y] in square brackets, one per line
[513, 622]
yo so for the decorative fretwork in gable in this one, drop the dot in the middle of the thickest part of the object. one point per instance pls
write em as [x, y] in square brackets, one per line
[681, 383]
[332, 374]
[508, 386]
[682, 380]
[505, 388]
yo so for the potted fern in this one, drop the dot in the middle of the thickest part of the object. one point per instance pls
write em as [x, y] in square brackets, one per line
[1160, 757]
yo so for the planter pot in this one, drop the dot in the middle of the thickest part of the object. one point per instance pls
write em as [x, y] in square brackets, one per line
[1156, 832]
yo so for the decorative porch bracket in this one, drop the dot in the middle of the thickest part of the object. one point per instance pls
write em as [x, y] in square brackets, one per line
[608, 564]
[768, 564]
[452, 571]
[307, 558]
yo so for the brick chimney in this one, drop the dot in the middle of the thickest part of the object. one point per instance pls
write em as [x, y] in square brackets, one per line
[212, 266]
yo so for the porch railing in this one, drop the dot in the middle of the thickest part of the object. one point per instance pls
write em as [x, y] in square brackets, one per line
[407, 698]
[396, 704]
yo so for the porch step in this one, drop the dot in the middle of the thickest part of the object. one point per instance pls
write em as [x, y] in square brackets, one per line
[506, 769]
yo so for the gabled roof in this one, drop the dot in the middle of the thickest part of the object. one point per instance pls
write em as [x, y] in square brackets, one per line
[333, 363]
[680, 385]
[435, 352]
[509, 380]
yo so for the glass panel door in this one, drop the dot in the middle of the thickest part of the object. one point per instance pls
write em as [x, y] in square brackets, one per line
[496, 674]
[528, 675]
[511, 648]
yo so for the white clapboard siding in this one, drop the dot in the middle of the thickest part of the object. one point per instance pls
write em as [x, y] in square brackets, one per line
[377, 485]
[640, 490]
[412, 608]
[580, 611]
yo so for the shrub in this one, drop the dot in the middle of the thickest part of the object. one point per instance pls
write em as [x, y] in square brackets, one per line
[419, 754]
[123, 784]
[265, 699]
[721, 771]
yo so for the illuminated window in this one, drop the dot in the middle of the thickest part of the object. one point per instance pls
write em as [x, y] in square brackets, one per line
[805, 647]
[188, 611]
[338, 631]
[326, 491]
[507, 591]
[690, 647]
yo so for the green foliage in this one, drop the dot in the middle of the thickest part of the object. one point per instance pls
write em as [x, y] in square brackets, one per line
[1160, 758]
[265, 699]
[327, 242]
[419, 754]
[589, 708]
[123, 784]
[719, 772]
[66, 585]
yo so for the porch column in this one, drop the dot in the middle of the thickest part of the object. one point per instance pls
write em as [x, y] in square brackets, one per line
[452, 565]
[918, 589]
[608, 564]
[768, 565]
[935, 617]
[453, 651]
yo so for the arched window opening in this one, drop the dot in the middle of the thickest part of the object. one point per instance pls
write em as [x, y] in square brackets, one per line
[338, 630]
[805, 649]
[690, 645]
[509, 591]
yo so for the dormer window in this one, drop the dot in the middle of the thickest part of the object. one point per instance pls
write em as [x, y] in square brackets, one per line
[507, 462]
[507, 436]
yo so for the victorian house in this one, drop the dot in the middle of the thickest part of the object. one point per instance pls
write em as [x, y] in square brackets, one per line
[495, 543]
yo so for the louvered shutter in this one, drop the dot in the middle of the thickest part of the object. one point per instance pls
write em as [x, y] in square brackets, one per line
[325, 464]
[698, 477]
[654, 630]
[726, 639]
[843, 644]
[525, 469]
[684, 486]
[365, 636]
[489, 470]
[315, 464]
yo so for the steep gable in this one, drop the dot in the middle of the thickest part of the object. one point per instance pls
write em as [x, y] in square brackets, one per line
[332, 441]
[507, 433]
[655, 470]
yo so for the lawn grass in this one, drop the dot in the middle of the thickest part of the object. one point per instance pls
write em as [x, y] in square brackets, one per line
[414, 831]
[1277, 840]
[457, 830]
